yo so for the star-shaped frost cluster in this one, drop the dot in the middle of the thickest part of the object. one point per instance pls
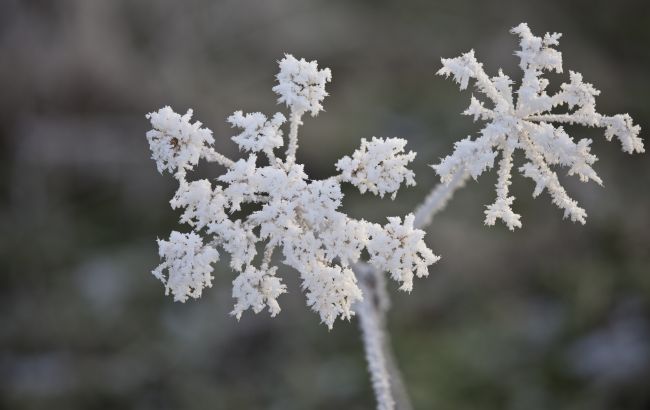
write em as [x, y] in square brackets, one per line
[293, 215]
[525, 119]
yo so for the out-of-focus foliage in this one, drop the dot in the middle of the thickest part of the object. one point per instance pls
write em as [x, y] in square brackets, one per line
[554, 315]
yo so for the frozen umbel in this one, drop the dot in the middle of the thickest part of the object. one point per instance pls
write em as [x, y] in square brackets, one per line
[301, 219]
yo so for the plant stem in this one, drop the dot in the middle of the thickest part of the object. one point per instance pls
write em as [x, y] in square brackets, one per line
[292, 147]
[214, 156]
[387, 383]
[437, 199]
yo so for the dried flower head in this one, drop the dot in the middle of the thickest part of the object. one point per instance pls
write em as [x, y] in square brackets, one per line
[296, 216]
[301, 85]
[527, 122]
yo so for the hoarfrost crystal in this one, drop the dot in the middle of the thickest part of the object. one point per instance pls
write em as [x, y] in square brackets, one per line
[407, 256]
[296, 216]
[378, 166]
[176, 143]
[301, 85]
[259, 133]
[528, 123]
[187, 262]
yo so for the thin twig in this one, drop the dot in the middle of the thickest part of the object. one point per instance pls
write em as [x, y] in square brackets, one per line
[214, 156]
[437, 199]
[292, 147]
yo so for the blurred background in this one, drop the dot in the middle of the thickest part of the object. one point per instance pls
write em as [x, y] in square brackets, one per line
[553, 316]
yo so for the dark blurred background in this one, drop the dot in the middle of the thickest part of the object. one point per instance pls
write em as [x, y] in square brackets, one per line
[553, 316]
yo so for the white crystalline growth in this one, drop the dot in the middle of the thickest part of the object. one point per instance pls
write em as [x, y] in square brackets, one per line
[301, 85]
[176, 144]
[256, 289]
[292, 215]
[259, 133]
[378, 166]
[525, 119]
[398, 248]
[188, 265]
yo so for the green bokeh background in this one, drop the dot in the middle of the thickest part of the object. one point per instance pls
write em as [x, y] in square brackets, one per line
[553, 316]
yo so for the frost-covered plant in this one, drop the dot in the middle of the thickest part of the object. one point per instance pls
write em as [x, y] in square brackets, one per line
[300, 217]
[524, 119]
[295, 215]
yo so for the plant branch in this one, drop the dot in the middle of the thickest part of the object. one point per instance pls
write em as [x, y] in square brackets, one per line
[213, 156]
[437, 199]
[387, 381]
[292, 147]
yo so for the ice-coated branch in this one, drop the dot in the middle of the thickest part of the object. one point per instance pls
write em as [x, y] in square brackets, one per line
[371, 311]
[213, 156]
[297, 216]
[372, 320]
[525, 119]
[438, 199]
[294, 122]
[373, 341]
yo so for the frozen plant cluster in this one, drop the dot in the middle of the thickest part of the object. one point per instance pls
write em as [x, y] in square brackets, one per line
[524, 119]
[272, 205]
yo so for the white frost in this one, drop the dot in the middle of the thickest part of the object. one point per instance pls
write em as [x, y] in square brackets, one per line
[277, 206]
[524, 119]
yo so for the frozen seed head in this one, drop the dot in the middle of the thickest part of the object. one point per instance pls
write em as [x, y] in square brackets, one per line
[527, 119]
[176, 144]
[293, 215]
[301, 85]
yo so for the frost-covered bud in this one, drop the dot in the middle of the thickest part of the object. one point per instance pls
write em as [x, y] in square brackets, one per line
[344, 238]
[187, 262]
[242, 180]
[237, 239]
[331, 291]
[260, 134]
[321, 199]
[176, 144]
[530, 125]
[378, 166]
[399, 249]
[256, 289]
[202, 205]
[301, 85]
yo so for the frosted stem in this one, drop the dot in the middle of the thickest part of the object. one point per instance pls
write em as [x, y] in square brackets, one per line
[295, 122]
[561, 118]
[387, 383]
[271, 156]
[214, 156]
[373, 342]
[437, 199]
[268, 254]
